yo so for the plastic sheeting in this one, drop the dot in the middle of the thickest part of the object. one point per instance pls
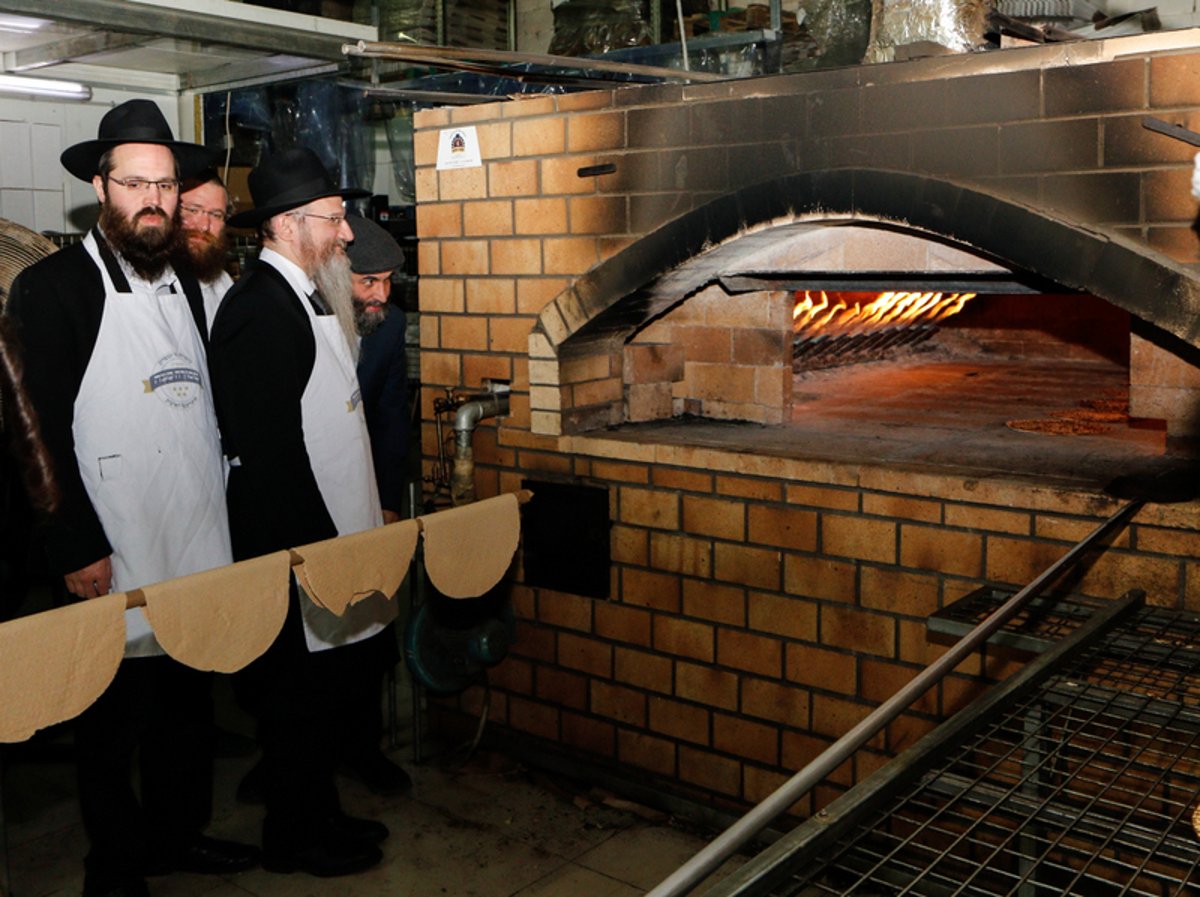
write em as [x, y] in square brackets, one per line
[840, 29]
[588, 27]
[401, 20]
[400, 147]
[957, 25]
[325, 117]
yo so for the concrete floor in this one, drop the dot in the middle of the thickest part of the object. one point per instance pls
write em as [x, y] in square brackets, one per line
[489, 827]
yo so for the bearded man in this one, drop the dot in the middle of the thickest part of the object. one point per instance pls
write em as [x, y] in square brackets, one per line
[204, 209]
[114, 340]
[382, 365]
[282, 362]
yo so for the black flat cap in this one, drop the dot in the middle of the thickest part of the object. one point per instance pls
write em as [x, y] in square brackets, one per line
[373, 250]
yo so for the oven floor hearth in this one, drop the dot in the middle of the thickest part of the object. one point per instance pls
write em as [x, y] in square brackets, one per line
[948, 416]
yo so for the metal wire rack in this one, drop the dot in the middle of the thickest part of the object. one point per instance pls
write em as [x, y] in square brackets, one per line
[1079, 775]
[1043, 620]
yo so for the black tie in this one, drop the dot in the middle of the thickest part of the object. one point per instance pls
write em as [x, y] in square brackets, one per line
[317, 301]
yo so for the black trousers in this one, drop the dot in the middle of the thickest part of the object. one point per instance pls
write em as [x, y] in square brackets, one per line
[300, 703]
[363, 671]
[161, 712]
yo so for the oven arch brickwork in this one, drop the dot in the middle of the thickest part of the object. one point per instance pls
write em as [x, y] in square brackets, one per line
[601, 310]
[761, 605]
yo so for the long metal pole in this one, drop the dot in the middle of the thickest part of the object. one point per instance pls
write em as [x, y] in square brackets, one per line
[682, 34]
[691, 873]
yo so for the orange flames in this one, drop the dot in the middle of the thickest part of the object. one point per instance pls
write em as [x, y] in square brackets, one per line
[847, 315]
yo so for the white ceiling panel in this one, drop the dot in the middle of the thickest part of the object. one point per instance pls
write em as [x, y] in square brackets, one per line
[169, 45]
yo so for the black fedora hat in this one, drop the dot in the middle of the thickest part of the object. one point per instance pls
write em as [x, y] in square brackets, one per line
[134, 121]
[286, 181]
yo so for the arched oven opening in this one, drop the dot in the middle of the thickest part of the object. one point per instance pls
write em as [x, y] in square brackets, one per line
[852, 336]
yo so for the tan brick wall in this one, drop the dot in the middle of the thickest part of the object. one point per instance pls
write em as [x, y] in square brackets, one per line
[722, 357]
[746, 633]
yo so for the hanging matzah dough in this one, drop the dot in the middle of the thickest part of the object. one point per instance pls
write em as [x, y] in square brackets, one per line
[338, 573]
[468, 549]
[223, 618]
[53, 665]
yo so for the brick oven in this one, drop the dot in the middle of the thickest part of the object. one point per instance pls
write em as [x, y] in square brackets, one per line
[630, 261]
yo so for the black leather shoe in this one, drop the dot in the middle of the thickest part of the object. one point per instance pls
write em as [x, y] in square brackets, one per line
[209, 856]
[332, 857]
[367, 830]
[380, 775]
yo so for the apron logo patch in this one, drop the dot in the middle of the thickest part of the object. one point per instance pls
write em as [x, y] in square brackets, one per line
[176, 381]
[355, 399]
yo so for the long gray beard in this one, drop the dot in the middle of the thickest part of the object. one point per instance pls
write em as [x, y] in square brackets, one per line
[332, 278]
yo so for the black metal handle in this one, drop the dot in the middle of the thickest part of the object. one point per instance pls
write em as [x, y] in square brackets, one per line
[1179, 132]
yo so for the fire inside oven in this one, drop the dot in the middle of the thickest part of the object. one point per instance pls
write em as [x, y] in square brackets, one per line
[838, 328]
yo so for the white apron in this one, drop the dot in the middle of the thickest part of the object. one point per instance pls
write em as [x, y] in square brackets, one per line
[339, 450]
[147, 444]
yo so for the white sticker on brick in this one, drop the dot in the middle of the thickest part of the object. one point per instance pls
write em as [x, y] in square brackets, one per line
[458, 148]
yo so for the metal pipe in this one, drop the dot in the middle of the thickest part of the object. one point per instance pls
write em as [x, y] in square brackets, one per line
[682, 34]
[691, 873]
[471, 412]
[493, 403]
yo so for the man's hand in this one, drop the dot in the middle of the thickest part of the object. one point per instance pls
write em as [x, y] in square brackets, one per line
[390, 516]
[92, 581]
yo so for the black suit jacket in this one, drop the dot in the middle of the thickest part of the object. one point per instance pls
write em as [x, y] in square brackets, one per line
[383, 380]
[261, 356]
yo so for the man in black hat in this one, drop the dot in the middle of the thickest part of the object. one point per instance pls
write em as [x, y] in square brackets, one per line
[115, 346]
[383, 378]
[283, 369]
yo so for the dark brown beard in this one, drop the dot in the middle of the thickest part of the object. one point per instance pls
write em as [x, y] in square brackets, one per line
[207, 262]
[368, 322]
[149, 251]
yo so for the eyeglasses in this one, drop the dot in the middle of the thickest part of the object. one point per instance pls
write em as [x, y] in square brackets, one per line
[335, 220]
[141, 185]
[216, 215]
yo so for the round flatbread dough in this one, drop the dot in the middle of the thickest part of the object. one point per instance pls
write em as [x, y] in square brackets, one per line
[221, 619]
[58, 662]
[338, 573]
[469, 549]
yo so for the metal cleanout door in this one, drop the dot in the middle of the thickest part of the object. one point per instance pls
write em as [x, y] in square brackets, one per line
[1080, 775]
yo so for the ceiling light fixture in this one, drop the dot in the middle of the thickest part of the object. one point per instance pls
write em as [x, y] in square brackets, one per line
[21, 24]
[44, 87]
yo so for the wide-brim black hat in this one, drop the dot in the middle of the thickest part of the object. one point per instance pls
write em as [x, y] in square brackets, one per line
[286, 181]
[134, 121]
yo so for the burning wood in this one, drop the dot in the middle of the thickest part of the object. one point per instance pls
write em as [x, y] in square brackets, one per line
[854, 326]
